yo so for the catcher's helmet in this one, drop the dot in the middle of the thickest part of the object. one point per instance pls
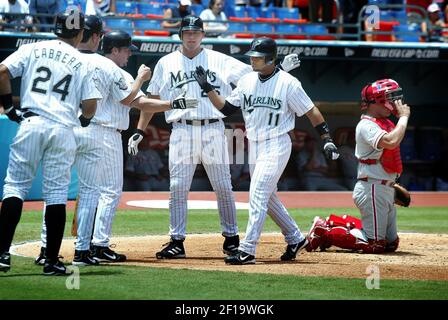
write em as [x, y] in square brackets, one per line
[117, 39]
[191, 23]
[263, 47]
[69, 24]
[383, 92]
[93, 24]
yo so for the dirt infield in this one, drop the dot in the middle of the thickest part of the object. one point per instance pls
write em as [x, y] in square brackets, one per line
[420, 257]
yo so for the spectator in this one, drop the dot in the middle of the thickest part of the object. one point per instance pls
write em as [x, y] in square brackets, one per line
[435, 27]
[275, 3]
[8, 11]
[214, 12]
[100, 7]
[252, 3]
[348, 161]
[302, 5]
[143, 172]
[47, 7]
[182, 10]
[317, 175]
[350, 10]
[327, 10]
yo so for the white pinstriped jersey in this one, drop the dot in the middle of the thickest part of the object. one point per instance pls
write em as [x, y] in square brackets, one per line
[58, 77]
[174, 72]
[269, 107]
[368, 135]
[115, 84]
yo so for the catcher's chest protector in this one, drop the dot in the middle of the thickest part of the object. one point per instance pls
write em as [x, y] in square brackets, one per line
[390, 159]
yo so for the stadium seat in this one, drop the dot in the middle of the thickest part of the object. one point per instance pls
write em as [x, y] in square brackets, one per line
[407, 32]
[253, 12]
[317, 32]
[125, 7]
[287, 13]
[150, 8]
[387, 15]
[147, 24]
[196, 9]
[157, 33]
[264, 26]
[385, 26]
[237, 24]
[267, 12]
[119, 24]
[240, 12]
[293, 27]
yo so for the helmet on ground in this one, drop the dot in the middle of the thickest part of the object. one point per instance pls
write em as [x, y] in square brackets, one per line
[69, 24]
[117, 39]
[191, 23]
[263, 47]
[383, 92]
[92, 24]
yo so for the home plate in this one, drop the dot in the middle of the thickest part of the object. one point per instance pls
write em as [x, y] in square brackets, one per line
[192, 204]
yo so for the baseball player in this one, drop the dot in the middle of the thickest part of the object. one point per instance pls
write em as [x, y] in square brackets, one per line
[197, 135]
[378, 152]
[56, 79]
[269, 99]
[99, 154]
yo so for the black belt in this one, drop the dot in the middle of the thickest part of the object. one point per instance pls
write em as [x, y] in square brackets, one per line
[28, 114]
[198, 122]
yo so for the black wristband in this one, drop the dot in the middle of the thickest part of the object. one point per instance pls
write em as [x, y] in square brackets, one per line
[84, 121]
[140, 132]
[279, 65]
[322, 128]
[6, 100]
[328, 140]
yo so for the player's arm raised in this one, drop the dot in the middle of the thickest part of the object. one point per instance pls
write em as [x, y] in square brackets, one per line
[144, 74]
[392, 139]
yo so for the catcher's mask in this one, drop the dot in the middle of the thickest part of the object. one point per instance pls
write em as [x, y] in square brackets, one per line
[383, 92]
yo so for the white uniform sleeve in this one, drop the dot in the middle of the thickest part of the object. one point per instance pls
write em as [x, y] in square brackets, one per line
[298, 100]
[234, 70]
[89, 88]
[234, 98]
[156, 80]
[371, 133]
[122, 84]
[17, 61]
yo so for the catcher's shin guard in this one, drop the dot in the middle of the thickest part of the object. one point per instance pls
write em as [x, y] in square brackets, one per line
[317, 235]
[354, 240]
[344, 221]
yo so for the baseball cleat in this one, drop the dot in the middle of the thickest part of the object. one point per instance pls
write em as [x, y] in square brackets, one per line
[293, 249]
[84, 258]
[230, 245]
[173, 250]
[240, 258]
[56, 269]
[105, 254]
[40, 260]
[5, 262]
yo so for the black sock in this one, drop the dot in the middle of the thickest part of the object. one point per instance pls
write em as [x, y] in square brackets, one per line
[55, 221]
[9, 218]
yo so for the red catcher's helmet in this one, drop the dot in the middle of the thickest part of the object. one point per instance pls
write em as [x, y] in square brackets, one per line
[382, 92]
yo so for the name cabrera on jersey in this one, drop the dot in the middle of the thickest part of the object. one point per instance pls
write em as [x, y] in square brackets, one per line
[368, 135]
[55, 79]
[115, 84]
[269, 107]
[174, 72]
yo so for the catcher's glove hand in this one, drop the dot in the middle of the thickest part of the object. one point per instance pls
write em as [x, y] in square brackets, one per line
[134, 140]
[402, 196]
[181, 102]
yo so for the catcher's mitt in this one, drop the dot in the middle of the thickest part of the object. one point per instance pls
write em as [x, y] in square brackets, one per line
[402, 196]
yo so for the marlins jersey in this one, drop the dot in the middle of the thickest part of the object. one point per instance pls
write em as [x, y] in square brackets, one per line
[58, 78]
[174, 73]
[269, 106]
[368, 135]
[115, 84]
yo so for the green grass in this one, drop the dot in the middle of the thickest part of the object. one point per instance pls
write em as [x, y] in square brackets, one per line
[25, 280]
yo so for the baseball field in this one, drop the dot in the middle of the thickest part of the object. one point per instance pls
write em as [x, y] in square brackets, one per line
[418, 270]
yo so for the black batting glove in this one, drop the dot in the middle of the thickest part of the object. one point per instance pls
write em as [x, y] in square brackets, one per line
[84, 121]
[330, 149]
[201, 77]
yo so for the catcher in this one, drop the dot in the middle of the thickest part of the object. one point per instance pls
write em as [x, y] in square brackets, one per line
[378, 152]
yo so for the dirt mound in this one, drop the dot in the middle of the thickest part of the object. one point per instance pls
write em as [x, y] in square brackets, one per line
[420, 256]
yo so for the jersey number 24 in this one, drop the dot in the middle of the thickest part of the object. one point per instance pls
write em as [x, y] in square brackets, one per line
[60, 87]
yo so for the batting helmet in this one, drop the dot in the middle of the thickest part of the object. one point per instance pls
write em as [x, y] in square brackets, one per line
[383, 92]
[191, 23]
[117, 39]
[69, 24]
[93, 24]
[263, 47]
